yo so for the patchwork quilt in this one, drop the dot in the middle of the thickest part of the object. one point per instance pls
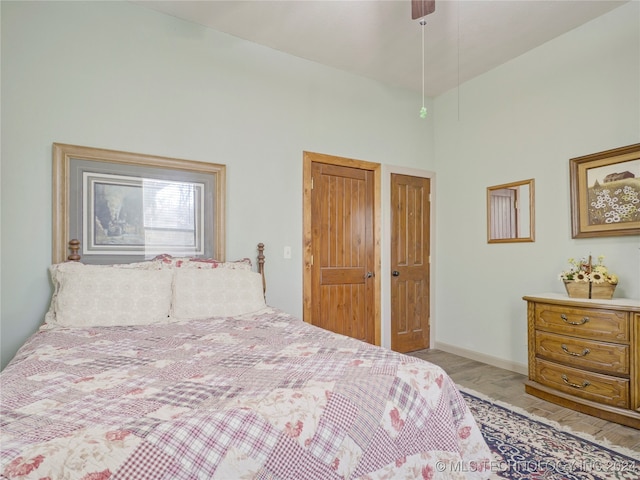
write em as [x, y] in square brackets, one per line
[262, 396]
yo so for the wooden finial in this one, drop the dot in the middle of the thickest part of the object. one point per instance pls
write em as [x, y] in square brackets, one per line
[74, 246]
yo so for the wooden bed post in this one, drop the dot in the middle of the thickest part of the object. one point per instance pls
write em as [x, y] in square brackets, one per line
[74, 246]
[261, 267]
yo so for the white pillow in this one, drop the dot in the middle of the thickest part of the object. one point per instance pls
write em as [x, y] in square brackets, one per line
[50, 316]
[200, 294]
[98, 295]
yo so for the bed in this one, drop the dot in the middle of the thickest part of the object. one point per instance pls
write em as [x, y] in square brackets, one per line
[176, 368]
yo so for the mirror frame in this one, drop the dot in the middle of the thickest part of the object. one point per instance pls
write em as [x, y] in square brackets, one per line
[531, 238]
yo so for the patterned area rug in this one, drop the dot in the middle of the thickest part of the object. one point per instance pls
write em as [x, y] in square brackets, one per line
[529, 447]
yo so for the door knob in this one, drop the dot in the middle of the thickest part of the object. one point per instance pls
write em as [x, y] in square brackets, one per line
[368, 275]
[395, 273]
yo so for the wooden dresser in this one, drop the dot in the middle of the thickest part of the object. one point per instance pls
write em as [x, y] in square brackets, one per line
[585, 355]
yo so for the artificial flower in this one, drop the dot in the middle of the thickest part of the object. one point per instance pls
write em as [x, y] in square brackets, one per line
[583, 270]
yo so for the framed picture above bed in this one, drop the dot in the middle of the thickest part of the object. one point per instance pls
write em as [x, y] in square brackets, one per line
[125, 207]
[605, 193]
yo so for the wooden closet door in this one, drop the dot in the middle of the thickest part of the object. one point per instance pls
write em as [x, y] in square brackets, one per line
[410, 253]
[342, 271]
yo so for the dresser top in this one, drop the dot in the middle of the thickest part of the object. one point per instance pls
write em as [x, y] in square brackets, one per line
[562, 298]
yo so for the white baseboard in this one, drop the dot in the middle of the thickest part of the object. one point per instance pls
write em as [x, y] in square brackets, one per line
[481, 357]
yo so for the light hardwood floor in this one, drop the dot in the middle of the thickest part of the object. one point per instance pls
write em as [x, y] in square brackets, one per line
[508, 387]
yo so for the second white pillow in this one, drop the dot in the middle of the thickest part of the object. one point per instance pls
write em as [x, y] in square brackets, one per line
[200, 294]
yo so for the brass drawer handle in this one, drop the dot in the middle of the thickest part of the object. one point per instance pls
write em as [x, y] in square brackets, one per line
[565, 379]
[581, 322]
[586, 351]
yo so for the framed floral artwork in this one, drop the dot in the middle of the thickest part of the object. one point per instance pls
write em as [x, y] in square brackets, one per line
[125, 207]
[605, 193]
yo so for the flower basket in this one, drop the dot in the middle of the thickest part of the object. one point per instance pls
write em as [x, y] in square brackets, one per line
[588, 280]
[602, 291]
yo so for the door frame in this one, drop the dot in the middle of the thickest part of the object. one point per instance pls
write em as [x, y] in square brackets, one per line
[387, 170]
[308, 159]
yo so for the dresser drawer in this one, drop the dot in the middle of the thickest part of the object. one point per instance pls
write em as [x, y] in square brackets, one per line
[605, 325]
[600, 388]
[612, 358]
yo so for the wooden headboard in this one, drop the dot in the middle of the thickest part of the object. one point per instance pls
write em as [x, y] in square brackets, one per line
[74, 256]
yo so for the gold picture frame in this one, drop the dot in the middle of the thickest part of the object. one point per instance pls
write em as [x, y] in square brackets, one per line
[605, 193]
[125, 207]
[511, 212]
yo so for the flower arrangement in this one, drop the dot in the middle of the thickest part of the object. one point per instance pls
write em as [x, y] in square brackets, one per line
[586, 280]
[584, 270]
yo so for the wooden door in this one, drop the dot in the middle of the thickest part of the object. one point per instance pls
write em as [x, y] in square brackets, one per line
[342, 295]
[410, 233]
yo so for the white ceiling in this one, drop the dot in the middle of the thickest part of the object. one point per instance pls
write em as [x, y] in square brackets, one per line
[378, 39]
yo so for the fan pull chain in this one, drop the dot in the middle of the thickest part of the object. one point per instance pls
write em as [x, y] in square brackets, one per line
[423, 110]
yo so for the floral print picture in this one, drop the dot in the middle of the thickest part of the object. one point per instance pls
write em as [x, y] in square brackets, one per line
[605, 193]
[614, 193]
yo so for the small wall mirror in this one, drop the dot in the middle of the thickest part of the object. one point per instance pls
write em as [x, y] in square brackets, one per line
[510, 212]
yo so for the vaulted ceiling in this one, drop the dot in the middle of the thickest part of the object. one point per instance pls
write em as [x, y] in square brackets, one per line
[378, 39]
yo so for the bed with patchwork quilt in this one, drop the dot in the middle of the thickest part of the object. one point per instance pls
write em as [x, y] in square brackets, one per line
[215, 392]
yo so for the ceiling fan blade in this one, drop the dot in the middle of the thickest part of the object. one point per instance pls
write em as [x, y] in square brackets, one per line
[420, 8]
